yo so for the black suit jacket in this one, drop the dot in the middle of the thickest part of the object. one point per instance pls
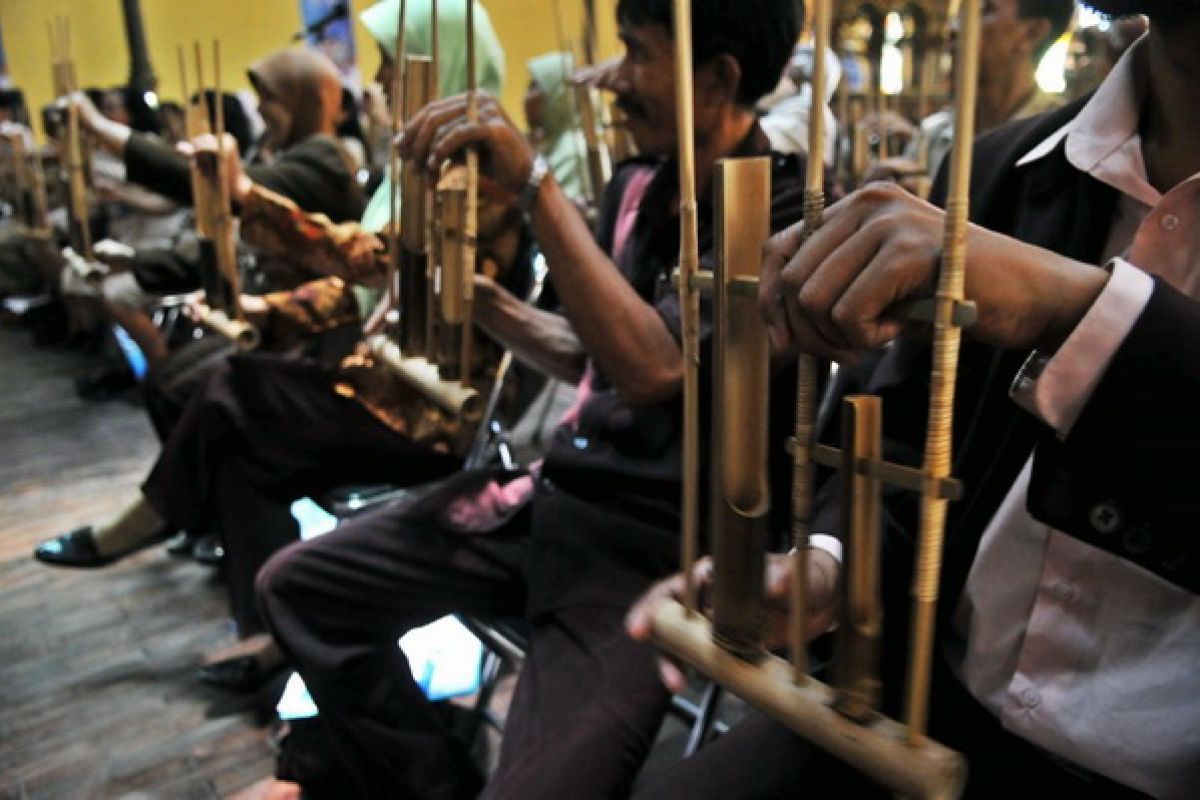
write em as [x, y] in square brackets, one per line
[1114, 482]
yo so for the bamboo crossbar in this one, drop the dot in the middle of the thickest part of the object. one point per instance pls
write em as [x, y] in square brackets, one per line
[881, 748]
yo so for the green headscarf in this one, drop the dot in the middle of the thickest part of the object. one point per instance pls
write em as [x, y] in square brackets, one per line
[380, 21]
[563, 144]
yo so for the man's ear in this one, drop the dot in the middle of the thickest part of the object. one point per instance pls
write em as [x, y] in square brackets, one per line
[1037, 29]
[718, 80]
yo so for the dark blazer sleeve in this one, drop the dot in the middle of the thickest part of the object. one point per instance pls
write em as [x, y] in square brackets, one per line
[317, 175]
[1124, 479]
[151, 162]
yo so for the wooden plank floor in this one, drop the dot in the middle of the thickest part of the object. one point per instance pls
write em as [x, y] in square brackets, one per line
[97, 690]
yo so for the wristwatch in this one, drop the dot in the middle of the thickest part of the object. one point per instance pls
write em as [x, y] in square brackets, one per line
[529, 192]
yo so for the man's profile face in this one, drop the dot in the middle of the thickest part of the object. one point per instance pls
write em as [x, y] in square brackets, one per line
[645, 87]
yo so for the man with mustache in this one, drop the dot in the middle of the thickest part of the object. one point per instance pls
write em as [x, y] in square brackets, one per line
[572, 544]
[1069, 625]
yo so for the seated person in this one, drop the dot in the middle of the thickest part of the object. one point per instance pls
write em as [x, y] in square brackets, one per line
[570, 543]
[1069, 624]
[265, 430]
[1015, 36]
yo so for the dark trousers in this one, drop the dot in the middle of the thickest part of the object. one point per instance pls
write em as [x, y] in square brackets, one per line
[262, 432]
[587, 705]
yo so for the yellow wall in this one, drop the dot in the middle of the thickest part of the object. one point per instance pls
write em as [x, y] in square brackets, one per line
[247, 29]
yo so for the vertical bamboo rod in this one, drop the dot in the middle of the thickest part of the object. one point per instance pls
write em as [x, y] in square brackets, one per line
[393, 162]
[471, 222]
[946, 340]
[224, 245]
[689, 297]
[432, 246]
[806, 388]
[564, 49]
[183, 87]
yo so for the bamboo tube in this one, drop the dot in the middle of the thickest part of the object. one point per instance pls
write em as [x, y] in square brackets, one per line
[393, 162]
[856, 656]
[414, 221]
[224, 240]
[413, 185]
[244, 335]
[741, 496]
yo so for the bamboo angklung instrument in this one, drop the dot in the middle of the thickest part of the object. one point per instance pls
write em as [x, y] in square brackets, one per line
[843, 719]
[74, 158]
[418, 370]
[222, 311]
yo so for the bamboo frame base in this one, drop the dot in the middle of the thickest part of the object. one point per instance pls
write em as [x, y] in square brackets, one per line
[878, 748]
[244, 335]
[452, 397]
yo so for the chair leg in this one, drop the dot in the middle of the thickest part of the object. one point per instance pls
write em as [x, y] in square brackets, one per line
[705, 720]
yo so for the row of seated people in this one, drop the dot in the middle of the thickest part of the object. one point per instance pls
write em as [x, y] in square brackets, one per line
[1034, 689]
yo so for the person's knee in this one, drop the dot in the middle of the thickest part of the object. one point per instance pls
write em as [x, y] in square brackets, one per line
[276, 588]
[121, 290]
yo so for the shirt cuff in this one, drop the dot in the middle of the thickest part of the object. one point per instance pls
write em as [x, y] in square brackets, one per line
[1055, 387]
[830, 544]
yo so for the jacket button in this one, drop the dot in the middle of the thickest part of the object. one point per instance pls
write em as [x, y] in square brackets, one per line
[1138, 539]
[1105, 518]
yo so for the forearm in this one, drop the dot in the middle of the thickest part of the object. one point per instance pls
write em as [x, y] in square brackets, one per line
[153, 164]
[625, 335]
[111, 135]
[543, 340]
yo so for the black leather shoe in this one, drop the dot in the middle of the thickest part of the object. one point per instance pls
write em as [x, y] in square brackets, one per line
[208, 550]
[240, 674]
[77, 548]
